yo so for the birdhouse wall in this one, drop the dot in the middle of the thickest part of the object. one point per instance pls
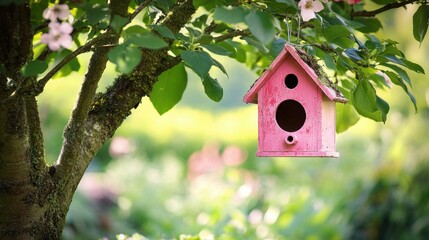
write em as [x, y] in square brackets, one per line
[272, 94]
[328, 125]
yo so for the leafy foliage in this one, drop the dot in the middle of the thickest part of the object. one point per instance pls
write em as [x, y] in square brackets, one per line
[342, 38]
[153, 42]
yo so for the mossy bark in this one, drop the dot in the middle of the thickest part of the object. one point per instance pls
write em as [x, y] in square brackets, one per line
[25, 184]
[35, 197]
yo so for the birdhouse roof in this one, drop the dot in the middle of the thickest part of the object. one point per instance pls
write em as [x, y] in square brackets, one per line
[252, 95]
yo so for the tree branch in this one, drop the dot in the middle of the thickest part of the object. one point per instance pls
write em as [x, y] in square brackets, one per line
[179, 15]
[38, 162]
[111, 108]
[74, 131]
[387, 7]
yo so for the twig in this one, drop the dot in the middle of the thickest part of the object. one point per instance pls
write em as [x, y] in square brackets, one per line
[209, 29]
[387, 7]
[41, 26]
[139, 9]
[82, 49]
[232, 34]
[170, 63]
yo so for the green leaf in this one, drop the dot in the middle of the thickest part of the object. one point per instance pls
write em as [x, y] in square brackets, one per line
[344, 63]
[335, 31]
[346, 116]
[126, 57]
[420, 22]
[150, 41]
[404, 62]
[199, 62]
[165, 5]
[220, 66]
[142, 38]
[282, 7]
[135, 29]
[194, 32]
[169, 88]
[164, 31]
[366, 102]
[261, 25]
[354, 54]
[348, 23]
[207, 4]
[34, 68]
[200, 22]
[72, 66]
[213, 89]
[383, 107]
[403, 74]
[391, 49]
[383, 2]
[205, 39]
[230, 15]
[97, 12]
[228, 47]
[370, 24]
[118, 22]
[343, 42]
[218, 49]
[276, 46]
[373, 43]
[413, 66]
[258, 45]
[398, 80]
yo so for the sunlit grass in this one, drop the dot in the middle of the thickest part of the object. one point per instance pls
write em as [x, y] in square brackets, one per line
[238, 126]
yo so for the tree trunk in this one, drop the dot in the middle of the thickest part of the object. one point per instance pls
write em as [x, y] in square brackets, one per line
[30, 207]
[35, 198]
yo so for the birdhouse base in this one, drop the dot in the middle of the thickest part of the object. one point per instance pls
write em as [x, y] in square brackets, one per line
[297, 154]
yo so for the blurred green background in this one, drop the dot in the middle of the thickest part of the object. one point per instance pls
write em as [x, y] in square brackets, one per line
[193, 171]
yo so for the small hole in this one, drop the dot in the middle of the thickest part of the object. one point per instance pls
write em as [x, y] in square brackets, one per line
[290, 139]
[291, 81]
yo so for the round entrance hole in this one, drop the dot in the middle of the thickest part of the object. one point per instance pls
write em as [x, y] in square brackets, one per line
[290, 115]
[291, 81]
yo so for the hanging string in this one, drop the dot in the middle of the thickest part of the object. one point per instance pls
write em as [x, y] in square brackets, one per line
[299, 28]
[288, 30]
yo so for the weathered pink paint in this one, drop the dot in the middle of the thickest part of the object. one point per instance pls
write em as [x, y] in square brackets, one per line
[307, 114]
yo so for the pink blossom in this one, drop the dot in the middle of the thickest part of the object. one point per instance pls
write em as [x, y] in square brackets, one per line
[59, 11]
[309, 9]
[58, 36]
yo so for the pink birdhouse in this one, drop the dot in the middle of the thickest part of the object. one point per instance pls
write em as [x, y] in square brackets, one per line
[296, 111]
